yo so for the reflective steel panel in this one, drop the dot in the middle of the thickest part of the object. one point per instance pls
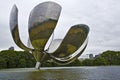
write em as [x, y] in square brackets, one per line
[42, 21]
[72, 45]
[14, 28]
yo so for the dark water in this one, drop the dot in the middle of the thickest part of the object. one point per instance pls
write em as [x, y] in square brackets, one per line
[62, 73]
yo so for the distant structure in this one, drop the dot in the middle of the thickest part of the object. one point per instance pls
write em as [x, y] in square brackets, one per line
[11, 48]
[82, 59]
[96, 56]
[91, 56]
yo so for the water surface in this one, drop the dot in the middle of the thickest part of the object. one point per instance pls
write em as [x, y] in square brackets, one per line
[62, 73]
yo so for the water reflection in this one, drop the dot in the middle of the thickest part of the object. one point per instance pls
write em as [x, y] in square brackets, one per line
[62, 73]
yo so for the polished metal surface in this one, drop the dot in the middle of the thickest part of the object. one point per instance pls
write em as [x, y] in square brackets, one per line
[14, 28]
[42, 22]
[72, 45]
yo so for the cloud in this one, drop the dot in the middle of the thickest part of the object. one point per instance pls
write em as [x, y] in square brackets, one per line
[102, 16]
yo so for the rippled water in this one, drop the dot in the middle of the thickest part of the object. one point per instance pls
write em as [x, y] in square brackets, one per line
[62, 73]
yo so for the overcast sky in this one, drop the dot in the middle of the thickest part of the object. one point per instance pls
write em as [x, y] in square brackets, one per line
[102, 16]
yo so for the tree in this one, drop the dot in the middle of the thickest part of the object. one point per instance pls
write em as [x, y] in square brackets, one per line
[87, 62]
[100, 61]
[2, 63]
[22, 63]
[16, 59]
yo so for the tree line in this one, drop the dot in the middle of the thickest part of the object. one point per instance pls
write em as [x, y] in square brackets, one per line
[106, 58]
[16, 59]
[23, 59]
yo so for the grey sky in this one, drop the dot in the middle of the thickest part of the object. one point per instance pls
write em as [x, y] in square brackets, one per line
[102, 16]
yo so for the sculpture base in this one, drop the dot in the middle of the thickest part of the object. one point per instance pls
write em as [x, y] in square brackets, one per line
[38, 64]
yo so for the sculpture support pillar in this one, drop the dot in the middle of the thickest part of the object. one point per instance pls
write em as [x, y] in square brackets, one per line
[38, 64]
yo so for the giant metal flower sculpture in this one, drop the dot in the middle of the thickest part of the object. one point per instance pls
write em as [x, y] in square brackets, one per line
[42, 21]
